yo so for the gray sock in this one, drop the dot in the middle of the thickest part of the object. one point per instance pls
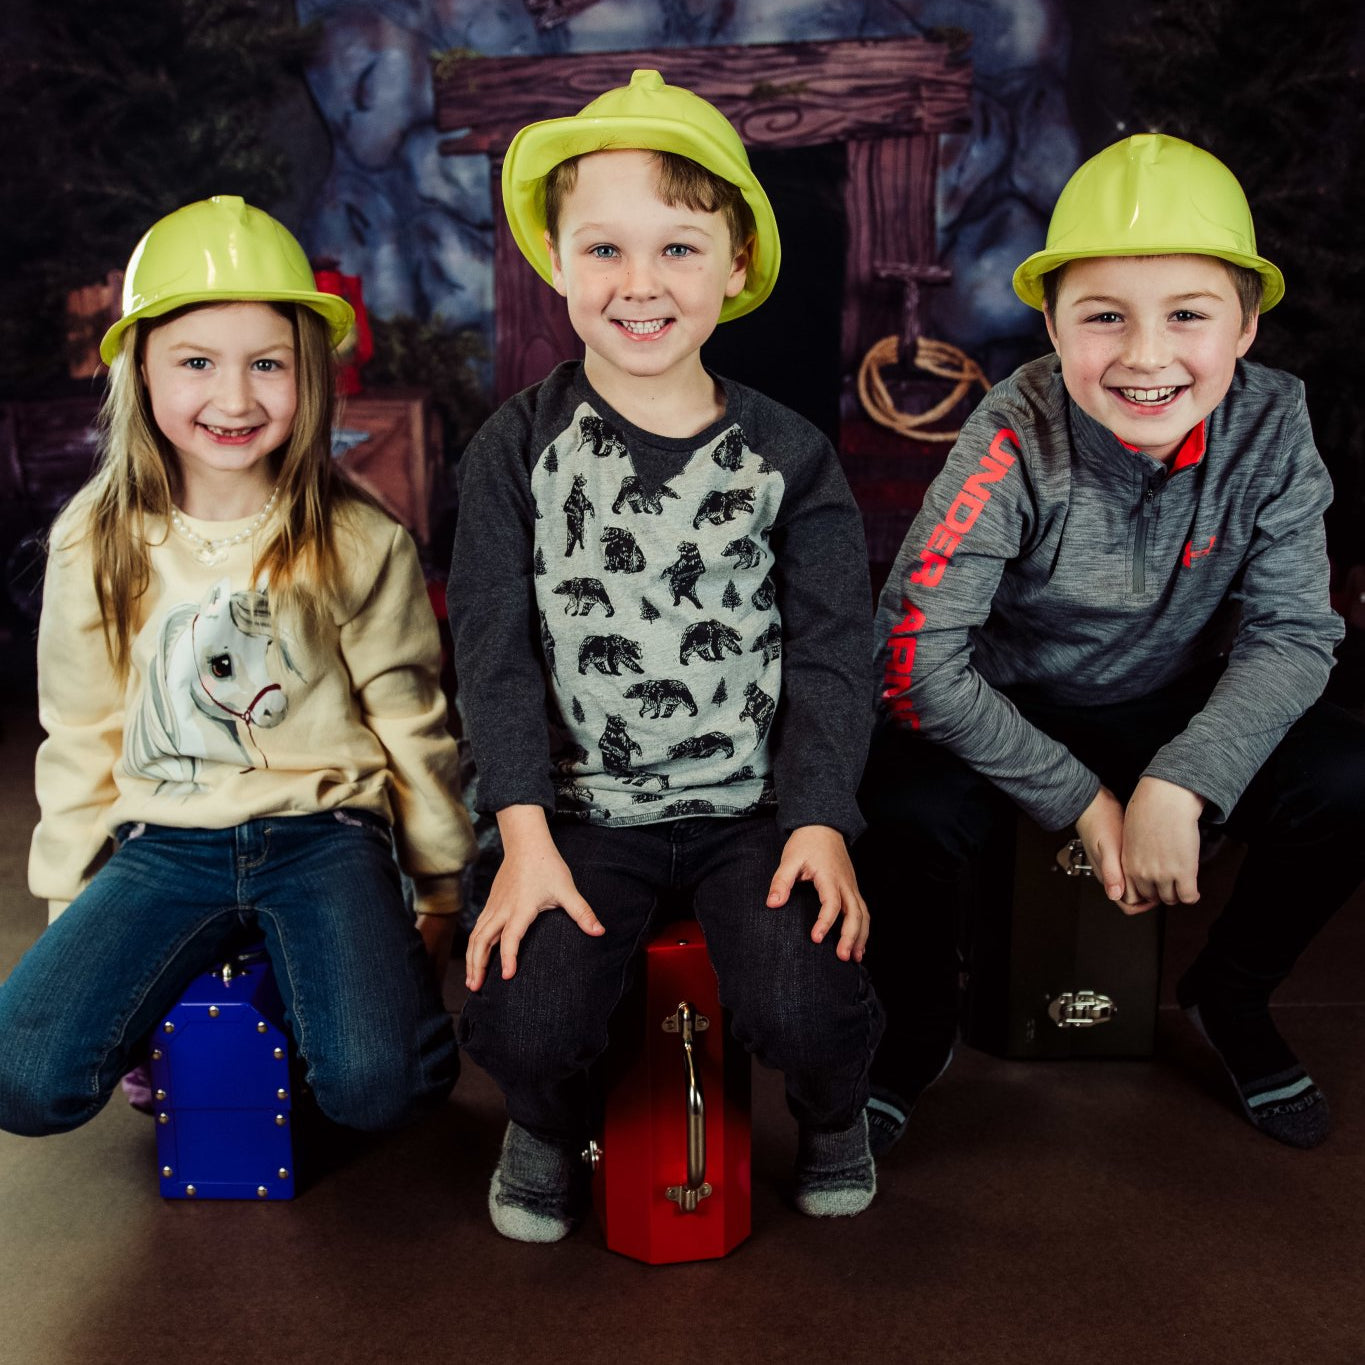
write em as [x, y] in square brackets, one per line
[539, 1190]
[835, 1174]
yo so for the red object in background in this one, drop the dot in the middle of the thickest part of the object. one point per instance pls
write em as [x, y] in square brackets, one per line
[359, 346]
[643, 1177]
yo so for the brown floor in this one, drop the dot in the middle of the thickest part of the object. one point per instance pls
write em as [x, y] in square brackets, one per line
[1062, 1212]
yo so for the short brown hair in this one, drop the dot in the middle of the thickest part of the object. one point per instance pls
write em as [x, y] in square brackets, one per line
[1247, 284]
[681, 181]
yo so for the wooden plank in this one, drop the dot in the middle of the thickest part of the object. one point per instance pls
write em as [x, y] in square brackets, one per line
[531, 323]
[776, 94]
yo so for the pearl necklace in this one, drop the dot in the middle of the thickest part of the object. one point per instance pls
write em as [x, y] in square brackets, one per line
[215, 551]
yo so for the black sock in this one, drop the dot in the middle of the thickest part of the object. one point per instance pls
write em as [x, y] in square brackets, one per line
[1276, 1093]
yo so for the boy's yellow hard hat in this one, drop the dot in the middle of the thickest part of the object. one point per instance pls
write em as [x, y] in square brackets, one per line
[1149, 195]
[220, 250]
[653, 116]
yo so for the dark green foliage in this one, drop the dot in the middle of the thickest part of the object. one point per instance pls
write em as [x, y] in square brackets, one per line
[114, 115]
[1274, 91]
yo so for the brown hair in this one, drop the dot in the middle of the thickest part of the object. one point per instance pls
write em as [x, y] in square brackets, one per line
[1246, 284]
[132, 487]
[681, 181]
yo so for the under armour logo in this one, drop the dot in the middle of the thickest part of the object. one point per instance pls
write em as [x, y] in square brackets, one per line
[1192, 554]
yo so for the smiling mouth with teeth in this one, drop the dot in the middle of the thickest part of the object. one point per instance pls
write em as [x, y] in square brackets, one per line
[1153, 397]
[229, 433]
[642, 329]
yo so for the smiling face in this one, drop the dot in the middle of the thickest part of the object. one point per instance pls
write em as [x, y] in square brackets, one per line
[223, 391]
[644, 280]
[1148, 344]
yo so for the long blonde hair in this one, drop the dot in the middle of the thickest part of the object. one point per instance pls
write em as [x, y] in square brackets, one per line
[131, 488]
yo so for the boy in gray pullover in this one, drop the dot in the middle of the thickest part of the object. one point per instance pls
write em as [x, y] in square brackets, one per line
[1113, 609]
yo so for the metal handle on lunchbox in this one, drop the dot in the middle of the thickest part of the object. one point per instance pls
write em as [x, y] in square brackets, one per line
[686, 1022]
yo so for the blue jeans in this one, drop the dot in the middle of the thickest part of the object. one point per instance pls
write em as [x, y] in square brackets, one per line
[323, 889]
[793, 1002]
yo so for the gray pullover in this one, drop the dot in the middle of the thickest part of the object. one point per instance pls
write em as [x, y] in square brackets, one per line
[1051, 559]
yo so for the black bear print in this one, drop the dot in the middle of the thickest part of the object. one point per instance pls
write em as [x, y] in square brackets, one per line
[584, 594]
[722, 505]
[744, 552]
[676, 810]
[765, 594]
[573, 799]
[770, 642]
[623, 555]
[634, 495]
[745, 774]
[570, 756]
[547, 646]
[599, 435]
[703, 746]
[729, 451]
[759, 708]
[608, 654]
[660, 697]
[617, 746]
[683, 573]
[576, 509]
[709, 640]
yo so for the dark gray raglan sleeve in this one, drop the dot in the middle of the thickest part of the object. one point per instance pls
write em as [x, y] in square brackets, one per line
[824, 717]
[500, 687]
[1279, 662]
[939, 593]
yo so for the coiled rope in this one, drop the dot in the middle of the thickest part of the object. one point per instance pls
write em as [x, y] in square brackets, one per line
[938, 358]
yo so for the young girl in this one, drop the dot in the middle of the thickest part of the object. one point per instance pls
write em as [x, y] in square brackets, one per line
[237, 671]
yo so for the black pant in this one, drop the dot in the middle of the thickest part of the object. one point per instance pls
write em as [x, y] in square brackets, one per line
[1302, 817]
[795, 1004]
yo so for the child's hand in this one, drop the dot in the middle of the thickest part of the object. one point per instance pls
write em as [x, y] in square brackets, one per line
[1161, 842]
[818, 853]
[1100, 827]
[438, 935]
[533, 878]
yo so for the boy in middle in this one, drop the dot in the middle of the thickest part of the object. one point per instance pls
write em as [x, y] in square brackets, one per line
[661, 615]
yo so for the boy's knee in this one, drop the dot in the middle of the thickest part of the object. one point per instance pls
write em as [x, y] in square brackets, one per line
[524, 1055]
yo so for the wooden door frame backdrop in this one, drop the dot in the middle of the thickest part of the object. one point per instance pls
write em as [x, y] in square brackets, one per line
[888, 101]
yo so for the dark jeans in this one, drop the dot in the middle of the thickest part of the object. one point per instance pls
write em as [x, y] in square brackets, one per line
[1302, 818]
[794, 1003]
[359, 994]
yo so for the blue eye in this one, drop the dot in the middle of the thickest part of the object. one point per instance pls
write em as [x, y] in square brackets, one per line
[678, 251]
[602, 252]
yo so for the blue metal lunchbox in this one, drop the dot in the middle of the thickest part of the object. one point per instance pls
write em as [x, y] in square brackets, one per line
[223, 1081]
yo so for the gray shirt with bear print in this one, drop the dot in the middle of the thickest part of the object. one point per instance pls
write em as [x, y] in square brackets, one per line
[647, 628]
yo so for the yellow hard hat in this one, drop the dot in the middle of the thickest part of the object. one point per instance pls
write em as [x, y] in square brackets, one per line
[220, 250]
[653, 116]
[1150, 195]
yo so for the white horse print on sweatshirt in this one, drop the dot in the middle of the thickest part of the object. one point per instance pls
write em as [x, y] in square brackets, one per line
[206, 685]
